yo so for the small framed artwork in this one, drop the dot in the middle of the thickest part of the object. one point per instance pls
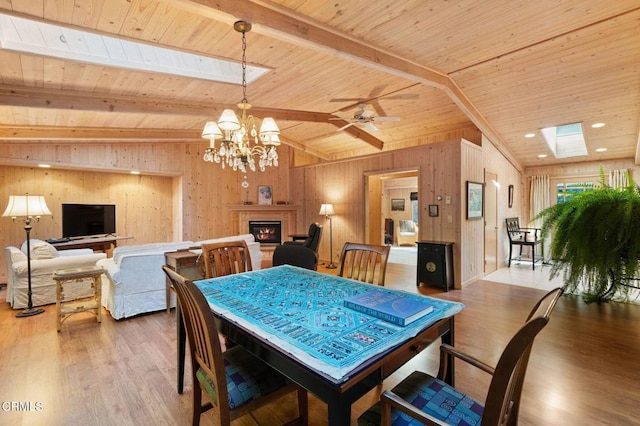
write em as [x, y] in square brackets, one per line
[265, 195]
[397, 204]
[510, 196]
[475, 200]
[433, 210]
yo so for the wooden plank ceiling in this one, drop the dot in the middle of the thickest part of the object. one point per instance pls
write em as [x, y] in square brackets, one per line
[506, 67]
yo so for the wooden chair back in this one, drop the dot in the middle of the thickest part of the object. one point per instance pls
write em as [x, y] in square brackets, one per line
[503, 398]
[226, 258]
[204, 343]
[207, 356]
[364, 262]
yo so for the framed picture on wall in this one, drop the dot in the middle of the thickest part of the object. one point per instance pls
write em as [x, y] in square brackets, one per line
[510, 196]
[265, 195]
[397, 204]
[475, 200]
[433, 210]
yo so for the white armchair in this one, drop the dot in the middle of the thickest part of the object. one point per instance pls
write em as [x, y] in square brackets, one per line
[45, 260]
[407, 233]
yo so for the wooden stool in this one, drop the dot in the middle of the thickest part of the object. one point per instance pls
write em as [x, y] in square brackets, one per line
[66, 308]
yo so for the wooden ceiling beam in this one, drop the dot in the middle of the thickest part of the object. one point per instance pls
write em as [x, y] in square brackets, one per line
[83, 101]
[359, 133]
[286, 25]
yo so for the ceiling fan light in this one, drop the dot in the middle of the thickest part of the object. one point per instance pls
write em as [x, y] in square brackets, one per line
[228, 120]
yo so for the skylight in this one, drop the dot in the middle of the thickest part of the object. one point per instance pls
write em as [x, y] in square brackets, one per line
[27, 36]
[566, 140]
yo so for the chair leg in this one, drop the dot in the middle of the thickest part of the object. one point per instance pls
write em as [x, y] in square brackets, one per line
[197, 403]
[533, 257]
[510, 254]
[303, 407]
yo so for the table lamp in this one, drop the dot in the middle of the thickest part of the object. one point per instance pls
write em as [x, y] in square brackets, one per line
[29, 207]
[327, 211]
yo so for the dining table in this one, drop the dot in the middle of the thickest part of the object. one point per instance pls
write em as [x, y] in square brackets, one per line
[296, 321]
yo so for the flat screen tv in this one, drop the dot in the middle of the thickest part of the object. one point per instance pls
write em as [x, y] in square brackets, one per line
[88, 219]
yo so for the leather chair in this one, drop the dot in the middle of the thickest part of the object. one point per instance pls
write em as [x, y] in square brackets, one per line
[296, 255]
[313, 238]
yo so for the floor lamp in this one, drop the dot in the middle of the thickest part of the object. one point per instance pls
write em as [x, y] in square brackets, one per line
[30, 207]
[327, 211]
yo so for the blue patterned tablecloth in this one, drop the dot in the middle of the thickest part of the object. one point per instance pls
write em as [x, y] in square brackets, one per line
[302, 312]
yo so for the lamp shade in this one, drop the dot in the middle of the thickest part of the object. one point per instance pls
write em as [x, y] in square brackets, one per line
[211, 131]
[26, 205]
[327, 210]
[228, 120]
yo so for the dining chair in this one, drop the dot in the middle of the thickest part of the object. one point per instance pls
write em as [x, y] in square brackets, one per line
[431, 401]
[296, 255]
[226, 258]
[522, 237]
[364, 262]
[235, 381]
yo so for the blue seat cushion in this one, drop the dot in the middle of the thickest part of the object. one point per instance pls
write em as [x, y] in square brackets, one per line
[248, 378]
[432, 396]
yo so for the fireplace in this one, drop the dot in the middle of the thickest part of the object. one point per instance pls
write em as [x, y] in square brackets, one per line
[266, 231]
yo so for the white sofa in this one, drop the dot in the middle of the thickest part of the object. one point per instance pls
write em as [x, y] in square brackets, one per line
[134, 282]
[45, 260]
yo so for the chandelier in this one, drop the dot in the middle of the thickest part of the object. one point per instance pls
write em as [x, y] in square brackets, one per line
[242, 145]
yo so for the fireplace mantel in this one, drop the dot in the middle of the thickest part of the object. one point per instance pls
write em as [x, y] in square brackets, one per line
[285, 213]
[266, 208]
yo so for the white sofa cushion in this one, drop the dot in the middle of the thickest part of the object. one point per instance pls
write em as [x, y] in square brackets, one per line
[40, 249]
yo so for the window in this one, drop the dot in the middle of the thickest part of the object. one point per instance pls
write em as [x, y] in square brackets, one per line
[414, 206]
[566, 191]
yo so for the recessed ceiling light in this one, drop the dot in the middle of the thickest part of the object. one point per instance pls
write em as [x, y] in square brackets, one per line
[44, 166]
[135, 172]
[601, 149]
[597, 125]
[529, 135]
[542, 156]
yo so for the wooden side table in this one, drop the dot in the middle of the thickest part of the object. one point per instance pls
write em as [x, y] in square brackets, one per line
[186, 263]
[66, 308]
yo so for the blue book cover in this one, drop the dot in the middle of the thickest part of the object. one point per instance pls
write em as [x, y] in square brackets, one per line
[397, 308]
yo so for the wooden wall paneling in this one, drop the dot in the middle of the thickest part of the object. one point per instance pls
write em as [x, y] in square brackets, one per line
[375, 215]
[343, 184]
[472, 231]
[507, 175]
[143, 202]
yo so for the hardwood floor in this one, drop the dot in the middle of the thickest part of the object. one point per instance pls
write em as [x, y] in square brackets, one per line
[583, 368]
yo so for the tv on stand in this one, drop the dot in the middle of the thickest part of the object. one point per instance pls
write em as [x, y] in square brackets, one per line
[83, 220]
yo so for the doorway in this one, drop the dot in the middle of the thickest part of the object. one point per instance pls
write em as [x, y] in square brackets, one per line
[491, 186]
[390, 195]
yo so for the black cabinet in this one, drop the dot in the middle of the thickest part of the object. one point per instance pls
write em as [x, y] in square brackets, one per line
[435, 264]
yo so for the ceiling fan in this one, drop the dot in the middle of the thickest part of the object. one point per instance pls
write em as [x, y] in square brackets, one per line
[365, 118]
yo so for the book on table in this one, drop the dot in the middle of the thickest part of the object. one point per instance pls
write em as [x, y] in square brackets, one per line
[395, 307]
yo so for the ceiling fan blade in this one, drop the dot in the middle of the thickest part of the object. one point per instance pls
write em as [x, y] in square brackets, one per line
[344, 127]
[386, 118]
[370, 127]
[345, 100]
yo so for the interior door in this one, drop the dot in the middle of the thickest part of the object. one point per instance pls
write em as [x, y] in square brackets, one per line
[490, 222]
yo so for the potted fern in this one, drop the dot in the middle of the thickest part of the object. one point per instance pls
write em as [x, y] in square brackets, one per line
[596, 240]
